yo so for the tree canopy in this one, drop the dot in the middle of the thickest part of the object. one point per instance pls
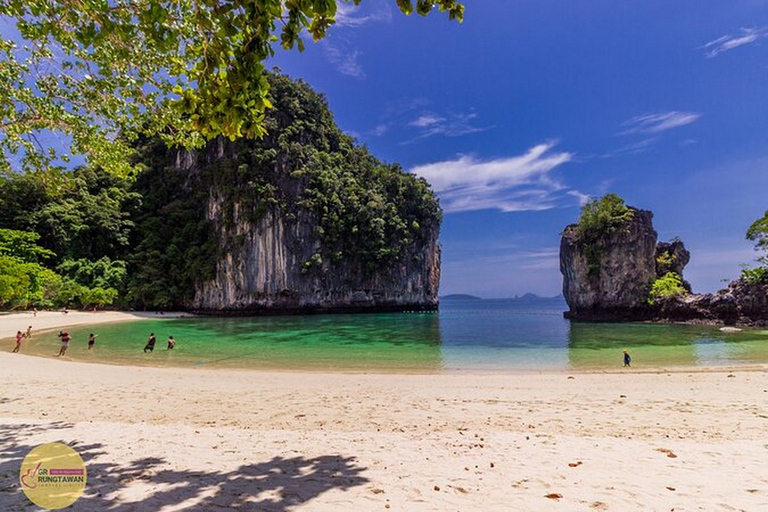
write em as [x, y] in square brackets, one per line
[103, 72]
[758, 232]
[603, 216]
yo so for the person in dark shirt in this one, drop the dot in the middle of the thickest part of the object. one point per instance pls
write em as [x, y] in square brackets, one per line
[91, 340]
[64, 337]
[150, 346]
[627, 359]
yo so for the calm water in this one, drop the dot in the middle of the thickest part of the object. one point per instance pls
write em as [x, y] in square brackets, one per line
[463, 335]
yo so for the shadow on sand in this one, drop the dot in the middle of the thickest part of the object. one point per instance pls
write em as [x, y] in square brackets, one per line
[277, 485]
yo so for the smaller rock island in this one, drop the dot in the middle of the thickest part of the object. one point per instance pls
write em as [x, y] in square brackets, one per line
[615, 269]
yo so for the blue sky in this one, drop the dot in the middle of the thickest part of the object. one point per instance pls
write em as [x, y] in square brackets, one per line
[529, 107]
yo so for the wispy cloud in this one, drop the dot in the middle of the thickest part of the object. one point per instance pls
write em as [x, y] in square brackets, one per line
[729, 42]
[345, 60]
[342, 53]
[635, 148]
[450, 124]
[518, 183]
[659, 122]
[354, 16]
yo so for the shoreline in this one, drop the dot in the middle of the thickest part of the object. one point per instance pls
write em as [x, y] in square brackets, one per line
[48, 321]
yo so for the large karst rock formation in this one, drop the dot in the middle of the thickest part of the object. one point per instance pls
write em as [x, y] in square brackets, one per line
[305, 220]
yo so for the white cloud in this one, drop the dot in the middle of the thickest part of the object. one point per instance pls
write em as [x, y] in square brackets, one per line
[430, 124]
[380, 130]
[659, 122]
[729, 42]
[354, 16]
[427, 120]
[631, 149]
[342, 53]
[518, 183]
[346, 61]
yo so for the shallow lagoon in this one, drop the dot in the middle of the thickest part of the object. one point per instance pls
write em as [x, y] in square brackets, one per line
[471, 335]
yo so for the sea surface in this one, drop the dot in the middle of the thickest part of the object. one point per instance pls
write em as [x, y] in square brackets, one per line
[465, 335]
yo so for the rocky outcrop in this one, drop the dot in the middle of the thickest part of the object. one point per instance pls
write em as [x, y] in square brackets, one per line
[740, 303]
[608, 279]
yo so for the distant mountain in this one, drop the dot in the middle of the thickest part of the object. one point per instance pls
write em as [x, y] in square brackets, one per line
[460, 296]
[528, 297]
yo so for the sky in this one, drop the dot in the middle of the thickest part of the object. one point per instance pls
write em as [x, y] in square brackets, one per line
[531, 107]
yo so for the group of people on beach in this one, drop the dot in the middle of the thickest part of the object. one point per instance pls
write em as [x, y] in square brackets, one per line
[150, 346]
[65, 338]
[20, 337]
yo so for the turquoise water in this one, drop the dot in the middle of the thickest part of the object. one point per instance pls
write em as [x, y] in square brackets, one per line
[464, 335]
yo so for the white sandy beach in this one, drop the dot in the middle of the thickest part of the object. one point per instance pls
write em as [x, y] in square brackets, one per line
[165, 439]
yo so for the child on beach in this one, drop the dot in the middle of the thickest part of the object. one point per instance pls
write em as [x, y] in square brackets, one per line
[28, 334]
[150, 346]
[19, 337]
[171, 342]
[64, 337]
[91, 340]
[627, 359]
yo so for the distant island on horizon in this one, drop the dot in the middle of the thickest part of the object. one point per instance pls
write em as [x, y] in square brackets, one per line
[527, 297]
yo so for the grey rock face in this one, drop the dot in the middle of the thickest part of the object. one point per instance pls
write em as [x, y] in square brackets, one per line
[611, 277]
[260, 270]
[263, 262]
[611, 282]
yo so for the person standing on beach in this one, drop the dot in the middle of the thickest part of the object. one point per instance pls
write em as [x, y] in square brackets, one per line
[171, 342]
[150, 346]
[19, 337]
[64, 337]
[28, 334]
[627, 359]
[91, 340]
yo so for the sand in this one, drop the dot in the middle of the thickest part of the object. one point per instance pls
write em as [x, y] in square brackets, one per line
[172, 439]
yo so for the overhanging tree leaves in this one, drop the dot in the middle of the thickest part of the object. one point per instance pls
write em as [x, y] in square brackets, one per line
[102, 72]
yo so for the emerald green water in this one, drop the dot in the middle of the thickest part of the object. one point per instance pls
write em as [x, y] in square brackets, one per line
[464, 335]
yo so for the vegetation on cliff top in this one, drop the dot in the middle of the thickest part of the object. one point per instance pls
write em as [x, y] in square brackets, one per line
[146, 243]
[758, 232]
[600, 218]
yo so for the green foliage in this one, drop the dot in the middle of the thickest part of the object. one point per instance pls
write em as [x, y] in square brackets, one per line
[82, 214]
[368, 214]
[23, 283]
[102, 273]
[665, 259]
[756, 275]
[758, 232]
[147, 243]
[667, 286]
[22, 245]
[173, 245]
[599, 219]
[186, 70]
[603, 217]
[98, 297]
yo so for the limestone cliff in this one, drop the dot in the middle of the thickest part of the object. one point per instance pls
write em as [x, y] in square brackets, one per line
[307, 221]
[609, 277]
